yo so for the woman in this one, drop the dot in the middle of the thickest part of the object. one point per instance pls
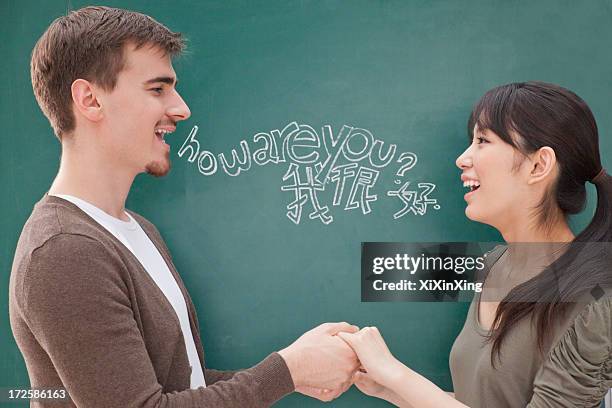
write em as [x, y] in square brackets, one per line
[533, 148]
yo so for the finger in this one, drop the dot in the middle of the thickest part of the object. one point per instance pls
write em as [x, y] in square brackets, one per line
[368, 329]
[346, 386]
[327, 395]
[335, 328]
[356, 364]
[347, 338]
[313, 391]
[361, 377]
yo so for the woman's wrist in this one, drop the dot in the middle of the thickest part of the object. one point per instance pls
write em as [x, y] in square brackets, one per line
[388, 373]
[391, 396]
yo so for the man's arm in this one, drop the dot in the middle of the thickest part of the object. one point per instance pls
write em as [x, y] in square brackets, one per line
[212, 376]
[78, 309]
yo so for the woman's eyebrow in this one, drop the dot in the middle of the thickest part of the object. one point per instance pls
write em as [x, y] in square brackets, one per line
[479, 131]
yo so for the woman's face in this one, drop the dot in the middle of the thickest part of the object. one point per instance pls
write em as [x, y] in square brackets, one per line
[492, 167]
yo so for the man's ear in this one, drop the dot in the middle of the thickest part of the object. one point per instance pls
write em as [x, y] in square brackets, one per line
[542, 164]
[85, 100]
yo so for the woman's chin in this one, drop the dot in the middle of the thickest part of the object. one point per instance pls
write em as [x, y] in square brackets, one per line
[472, 213]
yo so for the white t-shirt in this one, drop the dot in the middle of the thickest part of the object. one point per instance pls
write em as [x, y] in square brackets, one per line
[136, 240]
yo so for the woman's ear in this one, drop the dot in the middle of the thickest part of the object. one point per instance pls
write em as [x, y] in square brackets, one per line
[542, 165]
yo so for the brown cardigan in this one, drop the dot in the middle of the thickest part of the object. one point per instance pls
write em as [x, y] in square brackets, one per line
[88, 318]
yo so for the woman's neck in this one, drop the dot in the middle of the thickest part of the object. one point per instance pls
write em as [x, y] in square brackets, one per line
[531, 248]
[532, 232]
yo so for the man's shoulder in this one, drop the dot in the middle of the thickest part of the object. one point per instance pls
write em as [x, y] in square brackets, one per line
[56, 239]
[54, 218]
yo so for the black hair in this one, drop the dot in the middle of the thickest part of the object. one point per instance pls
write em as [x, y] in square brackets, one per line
[529, 116]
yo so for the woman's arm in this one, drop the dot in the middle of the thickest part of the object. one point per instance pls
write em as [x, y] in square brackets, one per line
[416, 389]
[411, 388]
[368, 386]
[578, 369]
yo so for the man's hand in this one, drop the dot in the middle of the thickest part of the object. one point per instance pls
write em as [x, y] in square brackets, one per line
[324, 395]
[320, 363]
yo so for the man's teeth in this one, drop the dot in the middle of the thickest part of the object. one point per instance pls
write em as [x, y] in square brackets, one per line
[471, 184]
[162, 133]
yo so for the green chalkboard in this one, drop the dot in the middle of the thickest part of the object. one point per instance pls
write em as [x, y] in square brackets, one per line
[295, 82]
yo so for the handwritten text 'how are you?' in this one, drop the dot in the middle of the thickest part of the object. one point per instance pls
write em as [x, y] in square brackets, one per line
[348, 162]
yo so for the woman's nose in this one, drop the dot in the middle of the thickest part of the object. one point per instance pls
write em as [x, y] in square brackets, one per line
[464, 161]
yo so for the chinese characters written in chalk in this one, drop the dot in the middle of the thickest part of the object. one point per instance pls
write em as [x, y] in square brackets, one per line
[348, 163]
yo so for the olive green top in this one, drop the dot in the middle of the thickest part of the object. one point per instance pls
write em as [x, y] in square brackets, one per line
[576, 370]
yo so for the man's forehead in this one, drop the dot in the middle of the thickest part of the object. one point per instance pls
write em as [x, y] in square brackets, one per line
[147, 62]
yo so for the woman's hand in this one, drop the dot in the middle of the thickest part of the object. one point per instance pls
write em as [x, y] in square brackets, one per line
[373, 353]
[388, 378]
[364, 382]
[368, 386]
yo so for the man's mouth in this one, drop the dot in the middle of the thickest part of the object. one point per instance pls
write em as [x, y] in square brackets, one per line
[161, 133]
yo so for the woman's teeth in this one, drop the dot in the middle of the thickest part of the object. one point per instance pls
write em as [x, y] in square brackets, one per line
[471, 184]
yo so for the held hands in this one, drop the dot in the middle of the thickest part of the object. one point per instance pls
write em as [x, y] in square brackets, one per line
[321, 364]
[368, 386]
[375, 358]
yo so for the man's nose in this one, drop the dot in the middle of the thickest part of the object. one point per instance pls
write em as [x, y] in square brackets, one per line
[179, 109]
[464, 161]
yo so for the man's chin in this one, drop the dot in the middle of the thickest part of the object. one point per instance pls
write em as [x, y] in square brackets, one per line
[158, 168]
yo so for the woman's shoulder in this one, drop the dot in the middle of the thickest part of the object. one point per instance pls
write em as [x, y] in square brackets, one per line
[494, 254]
[490, 258]
[578, 368]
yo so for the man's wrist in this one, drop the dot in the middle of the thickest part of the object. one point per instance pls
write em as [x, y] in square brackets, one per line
[292, 361]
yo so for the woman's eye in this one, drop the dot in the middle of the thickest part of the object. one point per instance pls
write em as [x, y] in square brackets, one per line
[482, 140]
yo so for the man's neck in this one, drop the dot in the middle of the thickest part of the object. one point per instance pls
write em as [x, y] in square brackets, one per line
[94, 179]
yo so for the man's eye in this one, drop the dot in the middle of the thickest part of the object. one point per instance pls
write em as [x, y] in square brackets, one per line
[157, 90]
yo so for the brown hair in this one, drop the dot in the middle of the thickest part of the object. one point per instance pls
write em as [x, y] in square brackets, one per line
[88, 43]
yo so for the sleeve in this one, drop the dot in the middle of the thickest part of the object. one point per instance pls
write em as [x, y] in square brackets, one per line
[212, 376]
[77, 306]
[578, 370]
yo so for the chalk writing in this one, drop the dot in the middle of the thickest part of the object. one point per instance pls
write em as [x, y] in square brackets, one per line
[305, 191]
[350, 161]
[414, 201]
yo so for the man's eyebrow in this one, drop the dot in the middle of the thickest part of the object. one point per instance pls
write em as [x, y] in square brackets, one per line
[164, 79]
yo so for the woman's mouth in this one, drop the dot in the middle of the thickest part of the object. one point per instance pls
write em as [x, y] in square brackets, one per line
[472, 185]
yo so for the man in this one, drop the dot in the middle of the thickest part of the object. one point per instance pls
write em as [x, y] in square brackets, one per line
[96, 305]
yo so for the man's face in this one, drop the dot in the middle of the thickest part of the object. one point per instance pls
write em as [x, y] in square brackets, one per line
[142, 108]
